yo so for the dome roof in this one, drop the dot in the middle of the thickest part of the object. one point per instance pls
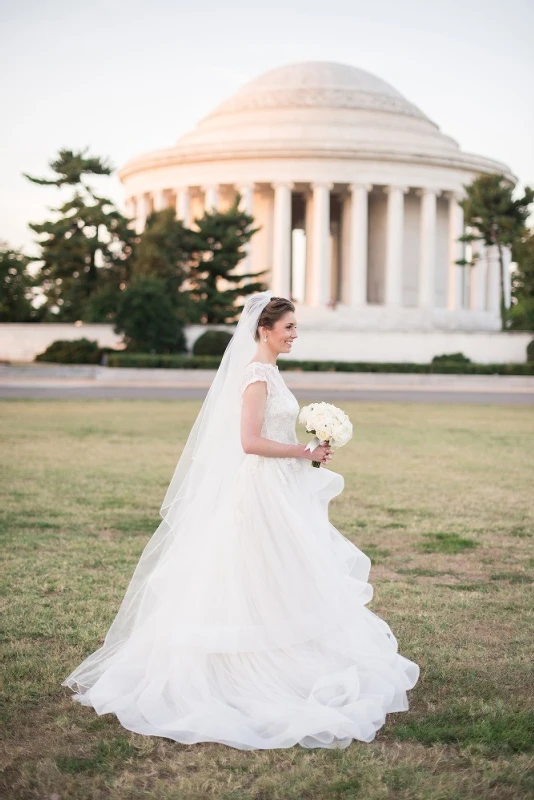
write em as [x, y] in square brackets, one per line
[318, 84]
[304, 114]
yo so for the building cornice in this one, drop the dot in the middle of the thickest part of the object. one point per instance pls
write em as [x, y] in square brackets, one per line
[177, 157]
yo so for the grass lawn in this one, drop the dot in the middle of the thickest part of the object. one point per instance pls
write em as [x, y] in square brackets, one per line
[439, 497]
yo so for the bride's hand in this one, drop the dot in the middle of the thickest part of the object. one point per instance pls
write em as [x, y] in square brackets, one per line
[322, 453]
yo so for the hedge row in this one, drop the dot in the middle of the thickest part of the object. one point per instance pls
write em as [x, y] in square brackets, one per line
[149, 361]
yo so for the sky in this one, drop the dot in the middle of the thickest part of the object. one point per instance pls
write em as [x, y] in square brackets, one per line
[123, 77]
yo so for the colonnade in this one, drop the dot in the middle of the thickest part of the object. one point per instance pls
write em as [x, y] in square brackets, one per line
[475, 289]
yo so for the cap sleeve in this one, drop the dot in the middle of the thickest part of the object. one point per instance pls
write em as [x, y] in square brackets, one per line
[252, 373]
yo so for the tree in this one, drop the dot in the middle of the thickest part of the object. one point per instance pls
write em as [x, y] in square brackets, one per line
[87, 250]
[214, 287]
[495, 218]
[147, 319]
[521, 313]
[16, 287]
[164, 252]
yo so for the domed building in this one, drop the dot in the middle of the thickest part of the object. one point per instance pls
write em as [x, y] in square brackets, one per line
[356, 194]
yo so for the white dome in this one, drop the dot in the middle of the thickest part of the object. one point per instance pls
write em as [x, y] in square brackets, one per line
[319, 84]
[316, 109]
[305, 114]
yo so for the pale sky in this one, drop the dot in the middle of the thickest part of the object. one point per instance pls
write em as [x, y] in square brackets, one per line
[125, 77]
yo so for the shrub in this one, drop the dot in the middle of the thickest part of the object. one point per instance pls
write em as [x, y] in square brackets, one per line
[458, 358]
[530, 351]
[163, 361]
[211, 343]
[77, 351]
[149, 360]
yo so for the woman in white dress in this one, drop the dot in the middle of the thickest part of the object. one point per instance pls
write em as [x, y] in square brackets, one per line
[245, 621]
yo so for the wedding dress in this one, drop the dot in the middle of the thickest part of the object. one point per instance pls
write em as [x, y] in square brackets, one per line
[251, 628]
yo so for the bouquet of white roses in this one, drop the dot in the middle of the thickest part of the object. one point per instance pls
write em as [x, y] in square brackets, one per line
[329, 424]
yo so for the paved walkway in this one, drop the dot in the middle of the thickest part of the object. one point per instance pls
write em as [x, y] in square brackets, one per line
[49, 381]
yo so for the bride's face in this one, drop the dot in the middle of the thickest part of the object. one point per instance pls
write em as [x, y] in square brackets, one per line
[281, 337]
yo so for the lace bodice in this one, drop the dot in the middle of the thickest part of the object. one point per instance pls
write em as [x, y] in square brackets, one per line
[281, 407]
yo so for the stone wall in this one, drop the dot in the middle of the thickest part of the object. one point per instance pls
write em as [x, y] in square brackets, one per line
[22, 342]
[414, 346]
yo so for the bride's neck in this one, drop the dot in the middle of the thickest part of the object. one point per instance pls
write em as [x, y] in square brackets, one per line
[265, 355]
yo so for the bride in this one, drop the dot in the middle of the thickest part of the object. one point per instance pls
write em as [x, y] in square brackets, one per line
[245, 621]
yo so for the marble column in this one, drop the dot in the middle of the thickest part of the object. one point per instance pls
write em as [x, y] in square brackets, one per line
[394, 245]
[160, 200]
[183, 204]
[142, 213]
[211, 198]
[456, 252]
[320, 256]
[308, 228]
[477, 293]
[494, 280]
[281, 268]
[427, 249]
[129, 208]
[483, 277]
[247, 196]
[507, 260]
[359, 216]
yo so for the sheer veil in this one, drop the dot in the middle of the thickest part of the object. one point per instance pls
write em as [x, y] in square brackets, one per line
[214, 439]
[204, 472]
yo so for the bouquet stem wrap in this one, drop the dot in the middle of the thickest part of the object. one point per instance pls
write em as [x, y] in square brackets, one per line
[312, 444]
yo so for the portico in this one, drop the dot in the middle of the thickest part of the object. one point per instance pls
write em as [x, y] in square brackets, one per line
[354, 249]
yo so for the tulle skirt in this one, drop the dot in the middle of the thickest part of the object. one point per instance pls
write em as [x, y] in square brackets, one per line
[254, 630]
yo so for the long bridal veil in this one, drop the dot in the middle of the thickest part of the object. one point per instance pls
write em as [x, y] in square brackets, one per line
[204, 473]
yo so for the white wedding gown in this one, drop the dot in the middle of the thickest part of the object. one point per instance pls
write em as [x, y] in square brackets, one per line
[259, 636]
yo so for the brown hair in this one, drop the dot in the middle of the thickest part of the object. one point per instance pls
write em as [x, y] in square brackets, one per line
[273, 311]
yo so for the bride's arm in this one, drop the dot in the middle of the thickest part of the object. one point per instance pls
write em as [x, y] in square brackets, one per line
[253, 408]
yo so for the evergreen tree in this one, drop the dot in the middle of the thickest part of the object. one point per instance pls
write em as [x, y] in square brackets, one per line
[214, 286]
[164, 252]
[17, 287]
[495, 218]
[521, 313]
[86, 252]
[146, 317]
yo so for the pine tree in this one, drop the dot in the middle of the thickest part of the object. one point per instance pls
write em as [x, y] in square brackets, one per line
[146, 317]
[164, 252]
[16, 287]
[495, 218]
[219, 247]
[522, 311]
[86, 252]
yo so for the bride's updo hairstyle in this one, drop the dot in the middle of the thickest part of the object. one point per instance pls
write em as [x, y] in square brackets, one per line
[273, 311]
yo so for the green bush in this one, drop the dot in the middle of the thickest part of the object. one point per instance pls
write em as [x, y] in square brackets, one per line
[458, 358]
[530, 352]
[77, 351]
[211, 343]
[163, 361]
[148, 360]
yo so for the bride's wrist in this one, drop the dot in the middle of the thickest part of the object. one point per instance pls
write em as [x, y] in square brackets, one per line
[303, 453]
